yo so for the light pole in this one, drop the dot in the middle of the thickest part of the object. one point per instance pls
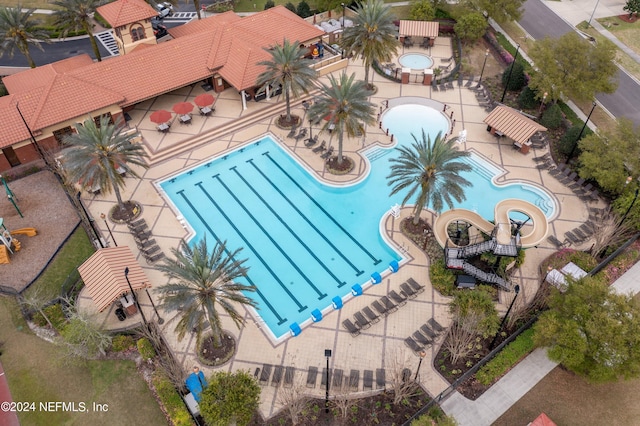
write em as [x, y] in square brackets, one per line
[422, 355]
[327, 354]
[517, 290]
[90, 219]
[544, 97]
[510, 72]
[104, 217]
[343, 11]
[575, 145]
[135, 299]
[486, 55]
[635, 197]
[592, 13]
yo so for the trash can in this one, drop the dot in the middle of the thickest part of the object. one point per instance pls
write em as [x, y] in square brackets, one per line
[120, 314]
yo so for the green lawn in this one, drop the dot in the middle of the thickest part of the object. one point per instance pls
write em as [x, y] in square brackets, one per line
[75, 251]
[37, 372]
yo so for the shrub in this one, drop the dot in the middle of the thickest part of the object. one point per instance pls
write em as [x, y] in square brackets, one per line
[147, 352]
[518, 80]
[527, 98]
[570, 138]
[269, 4]
[291, 7]
[552, 117]
[303, 11]
[230, 396]
[507, 358]
[442, 279]
[171, 400]
[56, 315]
[121, 343]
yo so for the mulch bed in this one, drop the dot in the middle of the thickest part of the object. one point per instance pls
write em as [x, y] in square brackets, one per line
[215, 356]
[340, 168]
[627, 18]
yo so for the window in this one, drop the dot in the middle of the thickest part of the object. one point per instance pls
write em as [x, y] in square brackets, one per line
[62, 133]
[137, 32]
[96, 119]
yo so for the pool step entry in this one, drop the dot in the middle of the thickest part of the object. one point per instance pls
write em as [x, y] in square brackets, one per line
[377, 153]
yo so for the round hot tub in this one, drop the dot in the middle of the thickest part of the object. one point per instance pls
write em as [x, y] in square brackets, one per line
[415, 61]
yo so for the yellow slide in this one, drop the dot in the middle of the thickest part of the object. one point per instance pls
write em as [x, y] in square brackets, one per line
[4, 254]
[539, 225]
[29, 232]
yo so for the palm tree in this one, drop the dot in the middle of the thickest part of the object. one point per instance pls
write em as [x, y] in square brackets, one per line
[288, 68]
[75, 15]
[18, 31]
[372, 36]
[429, 169]
[203, 283]
[344, 103]
[94, 155]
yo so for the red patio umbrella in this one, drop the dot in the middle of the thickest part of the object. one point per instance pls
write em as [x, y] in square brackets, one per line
[160, 116]
[183, 108]
[204, 100]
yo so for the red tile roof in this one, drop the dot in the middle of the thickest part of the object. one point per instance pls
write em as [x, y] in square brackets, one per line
[13, 129]
[41, 76]
[123, 12]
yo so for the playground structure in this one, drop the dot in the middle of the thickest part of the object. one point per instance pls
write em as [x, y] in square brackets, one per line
[10, 244]
[506, 237]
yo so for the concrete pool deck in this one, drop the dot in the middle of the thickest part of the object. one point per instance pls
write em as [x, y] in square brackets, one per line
[375, 348]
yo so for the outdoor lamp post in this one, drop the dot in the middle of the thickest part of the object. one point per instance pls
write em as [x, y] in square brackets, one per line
[544, 98]
[486, 55]
[90, 219]
[575, 145]
[327, 354]
[343, 11]
[592, 13]
[517, 290]
[104, 217]
[635, 197]
[510, 72]
[135, 298]
[422, 355]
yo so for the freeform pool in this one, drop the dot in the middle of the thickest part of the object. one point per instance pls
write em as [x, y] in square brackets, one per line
[416, 61]
[307, 242]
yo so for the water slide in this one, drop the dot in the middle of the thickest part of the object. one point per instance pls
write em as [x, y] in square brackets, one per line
[29, 232]
[502, 242]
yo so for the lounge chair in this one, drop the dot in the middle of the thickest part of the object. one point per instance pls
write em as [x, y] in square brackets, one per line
[367, 380]
[411, 293]
[370, 314]
[292, 132]
[361, 321]
[422, 339]
[580, 234]
[289, 373]
[312, 376]
[354, 379]
[355, 331]
[320, 147]
[434, 85]
[301, 135]
[137, 222]
[427, 331]
[587, 228]
[406, 375]
[391, 307]
[155, 257]
[148, 251]
[435, 325]
[146, 244]
[381, 309]
[556, 242]
[572, 237]
[381, 380]
[337, 379]
[413, 345]
[265, 374]
[327, 154]
[414, 284]
[277, 375]
[323, 379]
[311, 141]
[400, 300]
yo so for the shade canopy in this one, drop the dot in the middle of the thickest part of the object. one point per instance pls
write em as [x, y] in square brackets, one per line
[103, 275]
[204, 100]
[419, 28]
[513, 124]
[183, 108]
[160, 116]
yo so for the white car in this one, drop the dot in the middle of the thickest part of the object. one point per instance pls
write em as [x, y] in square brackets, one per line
[164, 9]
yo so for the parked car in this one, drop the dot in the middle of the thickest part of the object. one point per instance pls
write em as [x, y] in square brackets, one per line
[159, 30]
[164, 9]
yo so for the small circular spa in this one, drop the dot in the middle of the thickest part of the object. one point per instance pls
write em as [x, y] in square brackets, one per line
[415, 61]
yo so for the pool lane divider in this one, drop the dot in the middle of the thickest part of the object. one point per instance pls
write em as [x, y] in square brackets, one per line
[375, 261]
[293, 234]
[258, 292]
[309, 222]
[319, 292]
[250, 246]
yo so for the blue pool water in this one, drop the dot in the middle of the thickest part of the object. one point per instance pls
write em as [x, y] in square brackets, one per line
[307, 242]
[415, 61]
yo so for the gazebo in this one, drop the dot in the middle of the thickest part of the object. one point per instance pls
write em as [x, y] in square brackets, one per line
[505, 121]
[104, 277]
[427, 29]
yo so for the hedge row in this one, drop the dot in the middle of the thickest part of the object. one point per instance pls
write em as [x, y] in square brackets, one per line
[507, 358]
[171, 400]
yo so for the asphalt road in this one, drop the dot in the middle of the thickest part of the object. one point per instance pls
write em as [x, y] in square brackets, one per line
[55, 51]
[539, 21]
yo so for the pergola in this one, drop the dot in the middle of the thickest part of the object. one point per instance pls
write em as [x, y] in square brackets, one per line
[427, 29]
[505, 121]
[103, 275]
